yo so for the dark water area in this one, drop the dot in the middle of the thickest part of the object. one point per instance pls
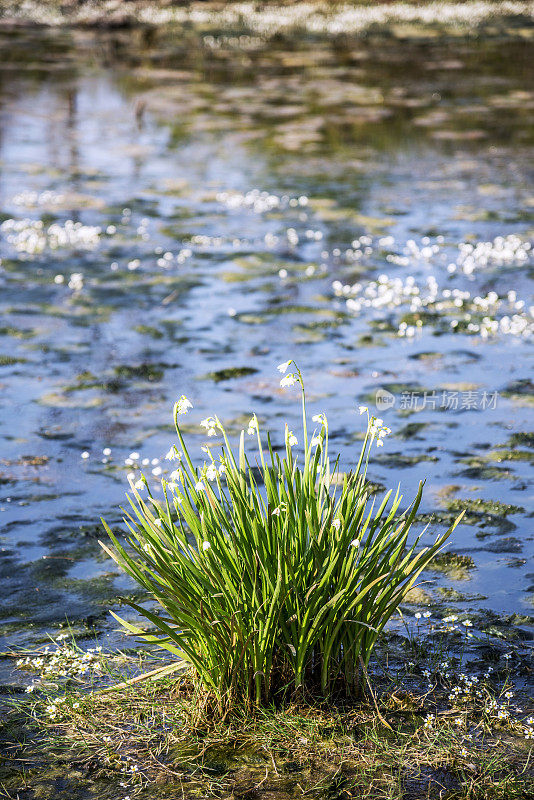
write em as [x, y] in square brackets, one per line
[181, 211]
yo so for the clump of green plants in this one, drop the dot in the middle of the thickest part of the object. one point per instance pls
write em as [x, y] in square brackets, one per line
[275, 580]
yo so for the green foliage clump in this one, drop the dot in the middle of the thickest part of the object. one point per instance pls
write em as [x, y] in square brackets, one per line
[274, 581]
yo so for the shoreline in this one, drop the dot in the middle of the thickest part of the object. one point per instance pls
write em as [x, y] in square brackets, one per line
[396, 18]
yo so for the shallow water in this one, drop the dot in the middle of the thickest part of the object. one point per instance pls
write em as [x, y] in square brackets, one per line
[182, 211]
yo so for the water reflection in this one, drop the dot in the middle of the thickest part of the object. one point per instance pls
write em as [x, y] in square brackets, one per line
[230, 208]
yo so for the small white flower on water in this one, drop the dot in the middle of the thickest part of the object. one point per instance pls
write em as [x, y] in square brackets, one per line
[427, 614]
[176, 475]
[284, 367]
[199, 486]
[85, 454]
[315, 441]
[362, 409]
[451, 618]
[183, 405]
[207, 423]
[206, 545]
[508, 695]
[467, 623]
[378, 422]
[529, 733]
[140, 484]
[288, 380]
[320, 418]
[172, 455]
[418, 615]
[336, 523]
[355, 543]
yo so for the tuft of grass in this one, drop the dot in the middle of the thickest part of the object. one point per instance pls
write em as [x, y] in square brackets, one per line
[274, 581]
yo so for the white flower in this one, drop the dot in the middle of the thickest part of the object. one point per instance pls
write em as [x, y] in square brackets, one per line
[176, 475]
[321, 418]
[288, 380]
[212, 432]
[211, 472]
[172, 455]
[252, 426]
[276, 511]
[183, 405]
[222, 469]
[206, 545]
[140, 484]
[362, 409]
[291, 439]
[284, 367]
[315, 441]
[336, 523]
[207, 423]
[467, 623]
[452, 618]
[199, 486]
[158, 522]
[355, 543]
[418, 615]
[378, 422]
[379, 443]
[427, 614]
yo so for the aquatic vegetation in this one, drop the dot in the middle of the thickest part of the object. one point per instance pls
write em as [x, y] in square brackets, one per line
[447, 310]
[433, 714]
[277, 583]
[32, 237]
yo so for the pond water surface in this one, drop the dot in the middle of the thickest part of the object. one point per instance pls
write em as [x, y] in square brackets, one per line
[181, 211]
